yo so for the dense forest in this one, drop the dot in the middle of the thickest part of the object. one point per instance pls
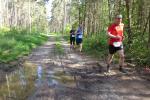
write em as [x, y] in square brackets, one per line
[38, 63]
[97, 15]
[21, 23]
[23, 14]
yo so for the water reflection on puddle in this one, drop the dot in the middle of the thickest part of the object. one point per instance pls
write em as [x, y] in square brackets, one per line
[18, 84]
[39, 81]
[23, 82]
[52, 82]
[43, 77]
[22, 78]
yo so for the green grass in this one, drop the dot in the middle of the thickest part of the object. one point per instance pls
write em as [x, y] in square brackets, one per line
[16, 90]
[59, 49]
[139, 52]
[96, 44]
[67, 37]
[58, 46]
[16, 43]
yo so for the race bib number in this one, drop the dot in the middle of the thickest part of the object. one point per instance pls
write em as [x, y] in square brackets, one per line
[80, 36]
[73, 35]
[117, 44]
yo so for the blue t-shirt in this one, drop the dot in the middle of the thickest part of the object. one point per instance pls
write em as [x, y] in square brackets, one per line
[79, 33]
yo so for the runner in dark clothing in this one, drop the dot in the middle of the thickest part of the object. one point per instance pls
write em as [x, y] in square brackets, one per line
[72, 38]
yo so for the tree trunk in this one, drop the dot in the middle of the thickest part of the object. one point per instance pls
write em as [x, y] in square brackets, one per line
[109, 10]
[79, 12]
[149, 30]
[140, 14]
[129, 21]
[85, 7]
[64, 21]
[145, 26]
[30, 15]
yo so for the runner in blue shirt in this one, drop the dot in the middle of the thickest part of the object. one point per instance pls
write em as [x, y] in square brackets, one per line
[79, 37]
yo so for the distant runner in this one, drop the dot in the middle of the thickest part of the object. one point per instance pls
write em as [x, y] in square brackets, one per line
[115, 34]
[79, 37]
[72, 38]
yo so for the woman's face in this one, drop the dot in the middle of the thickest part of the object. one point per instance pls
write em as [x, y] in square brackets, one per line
[118, 20]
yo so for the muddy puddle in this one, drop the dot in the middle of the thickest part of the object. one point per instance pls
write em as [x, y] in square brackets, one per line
[22, 83]
[19, 84]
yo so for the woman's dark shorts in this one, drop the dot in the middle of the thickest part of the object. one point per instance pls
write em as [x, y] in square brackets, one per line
[72, 40]
[113, 49]
[78, 41]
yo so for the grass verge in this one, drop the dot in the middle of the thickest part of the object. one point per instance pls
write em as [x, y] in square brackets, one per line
[17, 43]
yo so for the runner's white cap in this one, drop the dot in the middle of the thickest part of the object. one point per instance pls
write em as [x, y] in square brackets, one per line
[119, 16]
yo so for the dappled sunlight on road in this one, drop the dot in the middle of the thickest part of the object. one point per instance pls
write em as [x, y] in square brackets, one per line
[75, 76]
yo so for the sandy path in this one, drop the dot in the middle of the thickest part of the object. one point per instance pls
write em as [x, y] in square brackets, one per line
[74, 76]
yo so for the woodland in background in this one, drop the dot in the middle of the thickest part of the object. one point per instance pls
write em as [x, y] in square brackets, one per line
[97, 15]
[22, 25]
[23, 14]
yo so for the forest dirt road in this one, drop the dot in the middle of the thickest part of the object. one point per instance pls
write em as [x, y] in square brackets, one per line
[70, 75]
